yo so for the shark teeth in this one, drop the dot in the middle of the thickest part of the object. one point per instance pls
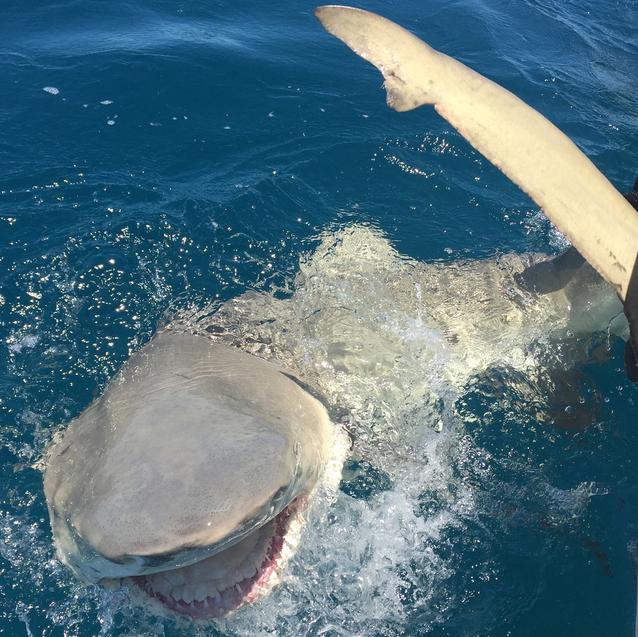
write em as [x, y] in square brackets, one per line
[219, 585]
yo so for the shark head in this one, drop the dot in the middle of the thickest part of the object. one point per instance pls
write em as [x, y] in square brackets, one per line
[188, 476]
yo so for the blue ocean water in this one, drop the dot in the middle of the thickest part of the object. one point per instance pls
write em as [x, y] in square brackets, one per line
[162, 155]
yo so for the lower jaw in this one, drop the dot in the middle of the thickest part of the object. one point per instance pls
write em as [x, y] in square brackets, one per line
[243, 592]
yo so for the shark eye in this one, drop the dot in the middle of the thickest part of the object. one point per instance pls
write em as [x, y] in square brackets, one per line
[279, 497]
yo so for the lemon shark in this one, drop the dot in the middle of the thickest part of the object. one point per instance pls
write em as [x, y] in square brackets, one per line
[189, 476]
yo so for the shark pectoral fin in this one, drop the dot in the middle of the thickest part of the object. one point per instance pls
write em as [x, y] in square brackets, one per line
[550, 275]
[523, 144]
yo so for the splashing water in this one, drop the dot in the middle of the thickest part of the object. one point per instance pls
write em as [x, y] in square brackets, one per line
[398, 350]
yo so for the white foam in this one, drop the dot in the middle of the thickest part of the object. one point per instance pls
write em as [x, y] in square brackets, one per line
[29, 341]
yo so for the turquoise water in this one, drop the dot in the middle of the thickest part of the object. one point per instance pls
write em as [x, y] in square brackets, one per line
[158, 156]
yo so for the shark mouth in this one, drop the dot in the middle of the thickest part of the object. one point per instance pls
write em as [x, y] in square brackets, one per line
[219, 585]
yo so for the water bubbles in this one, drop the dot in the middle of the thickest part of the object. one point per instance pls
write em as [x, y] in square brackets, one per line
[29, 341]
[22, 612]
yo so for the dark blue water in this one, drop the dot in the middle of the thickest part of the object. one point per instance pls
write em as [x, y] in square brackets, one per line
[160, 155]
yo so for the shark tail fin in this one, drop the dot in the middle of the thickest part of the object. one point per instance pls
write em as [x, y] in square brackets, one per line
[389, 47]
[524, 145]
